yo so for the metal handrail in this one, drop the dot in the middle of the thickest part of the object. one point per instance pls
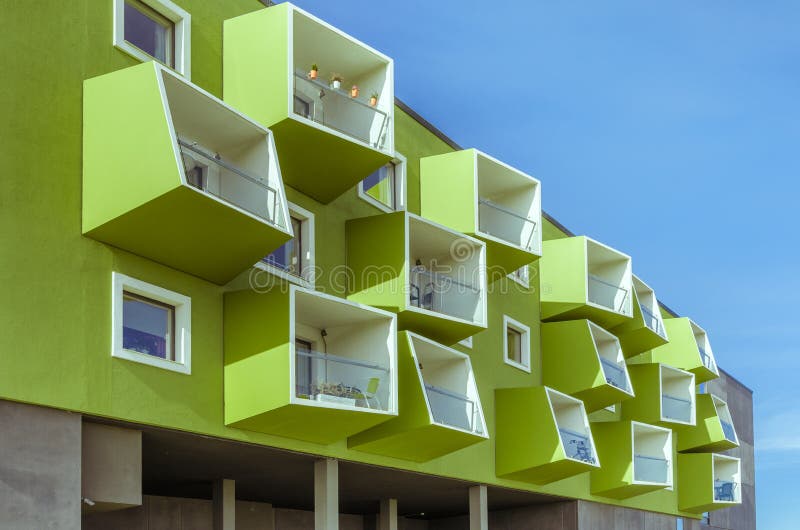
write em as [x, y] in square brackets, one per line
[344, 360]
[490, 204]
[300, 74]
[447, 279]
[215, 158]
[674, 398]
[653, 319]
[613, 285]
[460, 397]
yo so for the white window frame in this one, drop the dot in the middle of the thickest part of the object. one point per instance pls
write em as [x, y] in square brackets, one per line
[525, 281]
[307, 256]
[183, 34]
[120, 284]
[399, 162]
[525, 340]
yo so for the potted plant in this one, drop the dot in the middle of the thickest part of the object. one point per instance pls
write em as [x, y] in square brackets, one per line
[314, 73]
[373, 99]
[336, 81]
[354, 91]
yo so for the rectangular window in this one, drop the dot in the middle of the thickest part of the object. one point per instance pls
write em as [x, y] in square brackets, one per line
[154, 29]
[385, 187]
[303, 368]
[150, 325]
[294, 260]
[516, 345]
[149, 31]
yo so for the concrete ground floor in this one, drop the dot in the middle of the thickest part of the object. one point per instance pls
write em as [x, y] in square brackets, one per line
[66, 471]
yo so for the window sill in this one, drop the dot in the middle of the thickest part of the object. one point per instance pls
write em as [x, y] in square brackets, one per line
[156, 362]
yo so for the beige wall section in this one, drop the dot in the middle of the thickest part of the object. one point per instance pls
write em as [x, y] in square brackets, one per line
[40, 468]
[111, 471]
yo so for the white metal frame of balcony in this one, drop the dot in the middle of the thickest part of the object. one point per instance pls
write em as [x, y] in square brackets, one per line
[648, 304]
[609, 281]
[704, 348]
[724, 415]
[612, 360]
[678, 400]
[573, 427]
[314, 41]
[449, 384]
[596, 283]
[430, 294]
[727, 479]
[652, 454]
[508, 205]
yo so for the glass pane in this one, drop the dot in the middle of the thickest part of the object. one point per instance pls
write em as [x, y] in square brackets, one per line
[302, 107]
[514, 341]
[147, 326]
[149, 32]
[380, 185]
[287, 256]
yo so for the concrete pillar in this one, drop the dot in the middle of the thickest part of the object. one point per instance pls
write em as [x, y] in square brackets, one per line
[478, 508]
[387, 519]
[224, 505]
[111, 468]
[326, 494]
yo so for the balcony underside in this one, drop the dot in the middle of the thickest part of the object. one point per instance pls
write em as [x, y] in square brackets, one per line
[418, 445]
[707, 436]
[641, 339]
[601, 396]
[323, 425]
[441, 329]
[628, 490]
[558, 311]
[503, 258]
[550, 472]
[192, 232]
[321, 164]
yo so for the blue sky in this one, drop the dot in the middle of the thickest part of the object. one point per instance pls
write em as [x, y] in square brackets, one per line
[669, 130]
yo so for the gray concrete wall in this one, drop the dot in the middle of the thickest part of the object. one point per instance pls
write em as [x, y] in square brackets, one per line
[40, 468]
[553, 516]
[111, 470]
[740, 403]
[595, 516]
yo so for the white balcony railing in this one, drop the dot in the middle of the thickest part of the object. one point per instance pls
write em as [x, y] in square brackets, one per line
[676, 408]
[454, 409]
[506, 224]
[211, 174]
[443, 294]
[607, 294]
[651, 469]
[333, 379]
[652, 321]
[577, 446]
[336, 109]
[615, 374]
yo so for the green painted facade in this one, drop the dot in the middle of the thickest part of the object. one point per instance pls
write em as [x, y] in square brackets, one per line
[58, 260]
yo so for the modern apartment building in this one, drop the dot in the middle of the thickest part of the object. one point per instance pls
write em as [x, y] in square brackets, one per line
[247, 287]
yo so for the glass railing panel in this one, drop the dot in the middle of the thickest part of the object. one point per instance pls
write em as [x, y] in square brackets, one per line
[727, 429]
[615, 374]
[336, 109]
[454, 409]
[676, 408]
[443, 294]
[725, 491]
[652, 321]
[650, 469]
[577, 446]
[211, 174]
[707, 360]
[607, 294]
[506, 224]
[335, 379]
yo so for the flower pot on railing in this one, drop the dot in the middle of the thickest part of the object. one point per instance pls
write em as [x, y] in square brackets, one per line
[314, 73]
[336, 82]
[354, 91]
[373, 100]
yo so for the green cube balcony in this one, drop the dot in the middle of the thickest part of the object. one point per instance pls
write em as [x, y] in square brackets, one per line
[431, 276]
[645, 330]
[688, 348]
[440, 409]
[714, 430]
[663, 395]
[581, 278]
[306, 365]
[542, 435]
[478, 195]
[708, 481]
[328, 138]
[637, 459]
[173, 174]
[584, 360]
